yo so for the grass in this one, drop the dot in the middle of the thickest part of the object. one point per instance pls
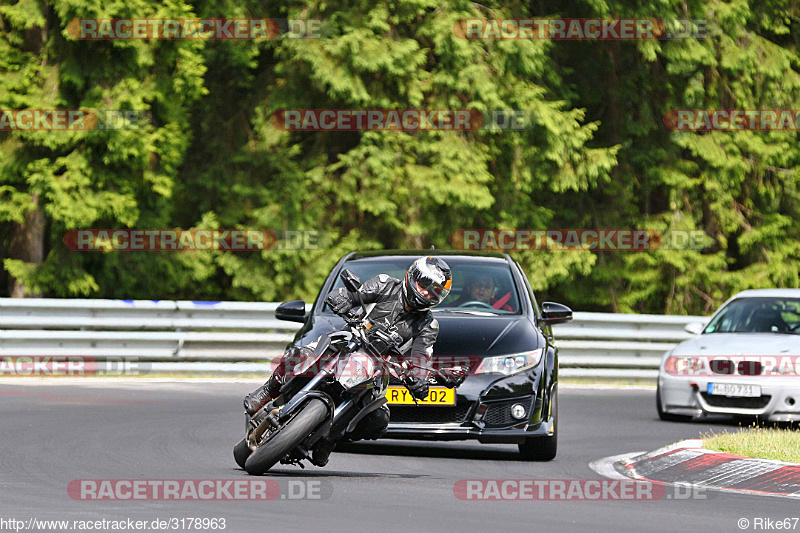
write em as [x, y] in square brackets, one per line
[763, 443]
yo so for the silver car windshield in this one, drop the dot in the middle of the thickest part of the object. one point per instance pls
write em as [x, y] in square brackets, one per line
[758, 315]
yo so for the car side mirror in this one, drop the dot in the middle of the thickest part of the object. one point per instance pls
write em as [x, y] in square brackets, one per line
[294, 311]
[553, 313]
[695, 328]
[350, 280]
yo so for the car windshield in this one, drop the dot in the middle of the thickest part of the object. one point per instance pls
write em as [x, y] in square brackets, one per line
[757, 315]
[485, 288]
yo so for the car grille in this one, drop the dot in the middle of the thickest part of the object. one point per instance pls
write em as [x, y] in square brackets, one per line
[736, 403]
[498, 414]
[423, 414]
[744, 368]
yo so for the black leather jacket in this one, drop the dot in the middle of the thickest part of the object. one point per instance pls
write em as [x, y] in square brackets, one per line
[418, 329]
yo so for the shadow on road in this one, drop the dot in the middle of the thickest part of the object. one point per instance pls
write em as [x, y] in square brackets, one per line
[723, 423]
[397, 449]
[313, 472]
[417, 449]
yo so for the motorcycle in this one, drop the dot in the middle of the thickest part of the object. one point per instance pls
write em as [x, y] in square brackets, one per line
[355, 371]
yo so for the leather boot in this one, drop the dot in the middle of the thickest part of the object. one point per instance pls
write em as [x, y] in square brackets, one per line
[259, 397]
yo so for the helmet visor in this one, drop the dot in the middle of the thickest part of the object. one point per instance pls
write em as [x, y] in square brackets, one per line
[429, 285]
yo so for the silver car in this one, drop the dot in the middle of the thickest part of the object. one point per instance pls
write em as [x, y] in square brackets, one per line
[745, 361]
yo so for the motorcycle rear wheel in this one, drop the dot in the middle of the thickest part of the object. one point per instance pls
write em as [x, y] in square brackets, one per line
[289, 436]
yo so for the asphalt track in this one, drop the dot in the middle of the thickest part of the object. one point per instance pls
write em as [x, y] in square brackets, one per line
[53, 434]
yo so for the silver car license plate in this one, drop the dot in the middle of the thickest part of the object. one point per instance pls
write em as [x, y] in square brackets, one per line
[734, 390]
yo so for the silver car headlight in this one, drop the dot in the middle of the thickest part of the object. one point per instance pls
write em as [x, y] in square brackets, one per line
[684, 365]
[510, 364]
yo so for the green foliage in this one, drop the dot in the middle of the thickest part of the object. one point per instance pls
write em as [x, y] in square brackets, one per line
[597, 155]
[739, 187]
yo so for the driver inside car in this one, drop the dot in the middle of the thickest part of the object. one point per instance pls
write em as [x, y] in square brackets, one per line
[481, 288]
[401, 306]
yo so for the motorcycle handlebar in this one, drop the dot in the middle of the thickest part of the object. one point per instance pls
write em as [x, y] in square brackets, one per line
[353, 318]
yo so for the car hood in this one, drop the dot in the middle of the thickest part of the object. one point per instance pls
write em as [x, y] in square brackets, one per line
[461, 334]
[713, 344]
[484, 336]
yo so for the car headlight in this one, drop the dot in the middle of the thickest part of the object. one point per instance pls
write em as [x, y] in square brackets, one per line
[683, 365]
[510, 364]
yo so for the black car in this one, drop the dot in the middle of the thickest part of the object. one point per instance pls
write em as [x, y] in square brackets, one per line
[510, 395]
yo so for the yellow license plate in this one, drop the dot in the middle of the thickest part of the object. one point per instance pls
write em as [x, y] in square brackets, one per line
[436, 396]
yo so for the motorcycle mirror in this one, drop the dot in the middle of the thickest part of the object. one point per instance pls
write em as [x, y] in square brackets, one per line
[350, 280]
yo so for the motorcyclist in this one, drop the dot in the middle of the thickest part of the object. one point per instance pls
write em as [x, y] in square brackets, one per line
[401, 304]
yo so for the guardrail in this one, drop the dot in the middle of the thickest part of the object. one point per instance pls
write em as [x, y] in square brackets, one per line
[239, 336]
[618, 345]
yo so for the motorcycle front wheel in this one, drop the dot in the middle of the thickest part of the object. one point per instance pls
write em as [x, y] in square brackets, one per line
[289, 436]
[241, 452]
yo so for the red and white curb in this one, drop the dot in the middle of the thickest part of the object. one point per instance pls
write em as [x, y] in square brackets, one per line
[688, 463]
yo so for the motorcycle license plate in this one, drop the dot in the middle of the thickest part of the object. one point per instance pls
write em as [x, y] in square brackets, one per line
[436, 396]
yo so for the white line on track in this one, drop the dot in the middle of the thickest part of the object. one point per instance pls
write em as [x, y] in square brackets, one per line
[605, 466]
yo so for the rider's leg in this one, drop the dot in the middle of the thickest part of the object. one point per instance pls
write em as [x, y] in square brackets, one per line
[322, 451]
[269, 390]
[266, 392]
[373, 426]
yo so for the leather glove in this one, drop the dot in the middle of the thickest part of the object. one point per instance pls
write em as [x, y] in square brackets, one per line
[451, 377]
[417, 386]
[340, 301]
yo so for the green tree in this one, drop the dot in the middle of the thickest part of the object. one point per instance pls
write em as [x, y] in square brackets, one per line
[55, 181]
[740, 187]
[390, 189]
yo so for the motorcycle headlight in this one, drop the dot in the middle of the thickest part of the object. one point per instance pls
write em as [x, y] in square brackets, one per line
[510, 364]
[354, 370]
[349, 382]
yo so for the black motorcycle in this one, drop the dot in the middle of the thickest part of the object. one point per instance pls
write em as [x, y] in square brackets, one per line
[356, 363]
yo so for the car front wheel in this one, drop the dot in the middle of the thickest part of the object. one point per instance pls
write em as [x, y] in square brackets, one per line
[543, 448]
[668, 417]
